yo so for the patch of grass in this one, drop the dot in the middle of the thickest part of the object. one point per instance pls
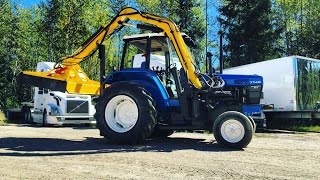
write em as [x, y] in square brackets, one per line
[3, 119]
[305, 128]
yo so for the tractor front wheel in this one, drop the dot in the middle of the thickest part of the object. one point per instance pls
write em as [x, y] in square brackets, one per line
[233, 129]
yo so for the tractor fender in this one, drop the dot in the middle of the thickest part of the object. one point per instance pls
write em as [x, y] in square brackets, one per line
[145, 78]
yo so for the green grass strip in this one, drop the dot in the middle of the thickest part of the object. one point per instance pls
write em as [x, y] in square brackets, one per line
[305, 128]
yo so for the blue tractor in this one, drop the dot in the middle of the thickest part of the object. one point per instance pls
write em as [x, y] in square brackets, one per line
[150, 95]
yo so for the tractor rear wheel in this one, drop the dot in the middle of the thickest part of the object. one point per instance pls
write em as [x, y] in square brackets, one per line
[233, 129]
[125, 114]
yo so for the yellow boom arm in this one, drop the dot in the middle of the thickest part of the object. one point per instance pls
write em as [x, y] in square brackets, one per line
[70, 76]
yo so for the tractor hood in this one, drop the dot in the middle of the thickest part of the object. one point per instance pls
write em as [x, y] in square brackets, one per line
[241, 80]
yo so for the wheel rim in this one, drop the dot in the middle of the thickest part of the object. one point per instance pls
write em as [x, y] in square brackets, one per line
[232, 131]
[121, 113]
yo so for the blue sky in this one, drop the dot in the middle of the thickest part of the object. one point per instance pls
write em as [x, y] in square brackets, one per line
[26, 3]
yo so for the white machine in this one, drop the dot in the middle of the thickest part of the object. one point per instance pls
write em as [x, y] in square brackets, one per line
[290, 83]
[291, 89]
[57, 108]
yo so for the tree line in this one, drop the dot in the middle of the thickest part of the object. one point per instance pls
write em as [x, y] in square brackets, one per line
[253, 30]
[259, 30]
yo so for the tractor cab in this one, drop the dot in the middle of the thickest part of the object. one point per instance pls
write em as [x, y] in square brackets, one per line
[153, 52]
[150, 60]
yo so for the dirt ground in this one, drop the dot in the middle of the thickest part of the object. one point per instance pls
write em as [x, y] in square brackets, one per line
[80, 153]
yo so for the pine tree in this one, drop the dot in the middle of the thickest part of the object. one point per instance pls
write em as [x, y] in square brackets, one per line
[250, 34]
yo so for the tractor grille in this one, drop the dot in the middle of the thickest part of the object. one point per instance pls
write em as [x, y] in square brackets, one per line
[77, 106]
[253, 94]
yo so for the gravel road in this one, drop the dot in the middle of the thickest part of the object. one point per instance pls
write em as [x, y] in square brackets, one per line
[80, 153]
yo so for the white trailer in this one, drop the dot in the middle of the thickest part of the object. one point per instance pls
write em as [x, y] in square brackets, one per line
[291, 86]
[57, 108]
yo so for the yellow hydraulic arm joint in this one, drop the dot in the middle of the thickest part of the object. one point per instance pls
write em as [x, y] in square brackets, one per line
[69, 75]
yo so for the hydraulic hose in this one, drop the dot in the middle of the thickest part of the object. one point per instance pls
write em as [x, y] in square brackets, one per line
[214, 82]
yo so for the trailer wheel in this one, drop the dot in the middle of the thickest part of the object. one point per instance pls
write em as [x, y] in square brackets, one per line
[125, 114]
[233, 129]
[27, 118]
[45, 119]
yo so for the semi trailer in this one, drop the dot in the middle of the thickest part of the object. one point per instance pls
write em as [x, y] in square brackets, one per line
[291, 88]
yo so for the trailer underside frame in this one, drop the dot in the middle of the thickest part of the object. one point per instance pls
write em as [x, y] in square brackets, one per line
[284, 119]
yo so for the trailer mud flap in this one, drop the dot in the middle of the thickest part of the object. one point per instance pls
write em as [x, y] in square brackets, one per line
[47, 83]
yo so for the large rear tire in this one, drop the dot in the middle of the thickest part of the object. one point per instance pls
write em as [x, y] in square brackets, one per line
[125, 114]
[233, 129]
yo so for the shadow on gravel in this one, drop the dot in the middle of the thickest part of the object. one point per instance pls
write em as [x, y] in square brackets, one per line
[61, 147]
[73, 126]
